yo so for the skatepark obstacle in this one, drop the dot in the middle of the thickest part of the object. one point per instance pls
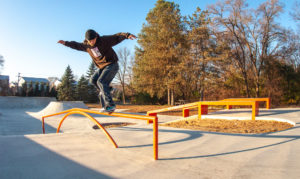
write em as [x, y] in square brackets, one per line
[203, 107]
[150, 119]
[266, 100]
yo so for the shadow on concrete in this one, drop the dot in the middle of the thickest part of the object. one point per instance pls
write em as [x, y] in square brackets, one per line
[19, 122]
[232, 152]
[192, 135]
[276, 112]
[23, 158]
[290, 138]
[265, 111]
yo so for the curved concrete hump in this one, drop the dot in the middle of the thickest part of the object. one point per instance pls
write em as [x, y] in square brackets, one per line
[24, 102]
[58, 106]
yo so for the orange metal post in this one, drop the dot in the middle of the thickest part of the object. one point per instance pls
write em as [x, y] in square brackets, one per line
[43, 125]
[229, 106]
[92, 119]
[155, 138]
[199, 110]
[186, 112]
[255, 109]
[268, 103]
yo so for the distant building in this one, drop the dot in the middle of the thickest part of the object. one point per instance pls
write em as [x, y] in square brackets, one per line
[4, 85]
[28, 80]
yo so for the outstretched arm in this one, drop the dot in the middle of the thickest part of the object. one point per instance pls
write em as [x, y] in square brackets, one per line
[74, 45]
[117, 38]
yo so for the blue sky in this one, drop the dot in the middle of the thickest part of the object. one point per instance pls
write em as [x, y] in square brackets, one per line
[30, 29]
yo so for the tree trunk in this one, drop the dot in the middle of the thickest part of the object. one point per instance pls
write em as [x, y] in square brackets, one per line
[201, 94]
[169, 101]
[257, 88]
[246, 84]
[123, 96]
[172, 97]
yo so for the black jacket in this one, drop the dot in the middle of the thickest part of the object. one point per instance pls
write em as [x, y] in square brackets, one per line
[102, 52]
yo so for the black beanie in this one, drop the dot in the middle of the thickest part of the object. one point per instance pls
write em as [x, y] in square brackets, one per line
[90, 34]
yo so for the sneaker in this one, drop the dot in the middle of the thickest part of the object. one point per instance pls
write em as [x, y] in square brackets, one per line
[108, 109]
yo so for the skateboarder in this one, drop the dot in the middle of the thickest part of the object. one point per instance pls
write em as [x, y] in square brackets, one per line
[105, 58]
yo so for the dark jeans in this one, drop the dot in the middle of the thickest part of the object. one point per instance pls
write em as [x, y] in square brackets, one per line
[101, 79]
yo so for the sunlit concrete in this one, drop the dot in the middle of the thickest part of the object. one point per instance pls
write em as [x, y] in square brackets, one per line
[82, 152]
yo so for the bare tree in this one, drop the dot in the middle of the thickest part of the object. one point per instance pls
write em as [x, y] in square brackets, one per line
[122, 76]
[295, 13]
[253, 35]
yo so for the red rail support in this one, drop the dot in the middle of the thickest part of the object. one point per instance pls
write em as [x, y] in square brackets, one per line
[186, 112]
[151, 114]
[204, 109]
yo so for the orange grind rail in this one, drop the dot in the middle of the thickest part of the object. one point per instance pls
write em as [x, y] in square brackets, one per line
[150, 119]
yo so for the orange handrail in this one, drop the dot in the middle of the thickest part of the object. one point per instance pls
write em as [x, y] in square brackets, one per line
[149, 118]
[132, 116]
[92, 119]
[172, 108]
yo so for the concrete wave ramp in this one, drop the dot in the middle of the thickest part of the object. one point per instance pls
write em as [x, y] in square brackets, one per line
[58, 106]
[73, 123]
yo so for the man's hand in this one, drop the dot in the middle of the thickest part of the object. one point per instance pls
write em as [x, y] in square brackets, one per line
[131, 37]
[61, 42]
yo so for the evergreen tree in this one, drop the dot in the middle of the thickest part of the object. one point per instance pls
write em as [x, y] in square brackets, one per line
[42, 91]
[91, 70]
[53, 92]
[162, 46]
[47, 90]
[66, 91]
[30, 91]
[24, 89]
[82, 89]
[92, 90]
[198, 65]
[36, 89]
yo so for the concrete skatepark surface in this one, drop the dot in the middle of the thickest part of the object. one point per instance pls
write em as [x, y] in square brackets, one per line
[81, 152]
